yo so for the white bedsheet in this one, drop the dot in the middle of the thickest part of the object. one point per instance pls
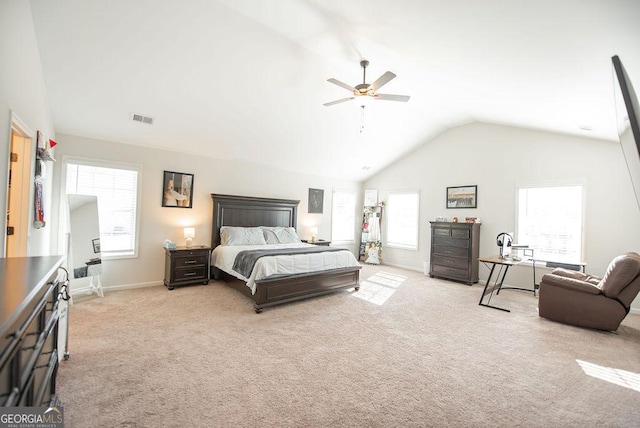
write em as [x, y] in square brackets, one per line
[223, 257]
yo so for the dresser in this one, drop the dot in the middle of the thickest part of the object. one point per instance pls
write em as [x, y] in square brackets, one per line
[455, 251]
[30, 293]
[183, 266]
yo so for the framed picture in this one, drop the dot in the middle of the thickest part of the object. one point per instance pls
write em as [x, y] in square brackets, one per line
[462, 197]
[96, 245]
[316, 201]
[370, 198]
[177, 190]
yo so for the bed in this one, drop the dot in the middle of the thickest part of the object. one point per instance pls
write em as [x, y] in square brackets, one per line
[252, 212]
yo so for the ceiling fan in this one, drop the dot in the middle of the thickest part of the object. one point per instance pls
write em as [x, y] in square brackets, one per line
[368, 90]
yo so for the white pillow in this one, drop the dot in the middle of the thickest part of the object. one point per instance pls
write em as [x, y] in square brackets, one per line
[280, 235]
[230, 236]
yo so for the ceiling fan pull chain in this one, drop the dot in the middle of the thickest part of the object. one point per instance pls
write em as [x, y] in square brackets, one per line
[362, 119]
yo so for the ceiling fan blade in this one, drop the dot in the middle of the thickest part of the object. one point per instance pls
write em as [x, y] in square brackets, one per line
[342, 85]
[382, 80]
[389, 97]
[338, 101]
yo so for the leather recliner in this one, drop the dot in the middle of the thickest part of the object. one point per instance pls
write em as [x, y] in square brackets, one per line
[589, 301]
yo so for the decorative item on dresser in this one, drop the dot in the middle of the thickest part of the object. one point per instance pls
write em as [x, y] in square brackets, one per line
[186, 265]
[454, 251]
[30, 292]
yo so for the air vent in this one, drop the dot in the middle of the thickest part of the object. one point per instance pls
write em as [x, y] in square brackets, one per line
[142, 119]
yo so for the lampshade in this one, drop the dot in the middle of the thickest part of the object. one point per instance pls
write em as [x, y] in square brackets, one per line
[189, 234]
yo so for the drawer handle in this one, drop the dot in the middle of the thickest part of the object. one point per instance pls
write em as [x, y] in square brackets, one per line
[190, 262]
[190, 274]
[449, 251]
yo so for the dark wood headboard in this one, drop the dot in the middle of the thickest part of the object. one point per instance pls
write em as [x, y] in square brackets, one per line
[247, 211]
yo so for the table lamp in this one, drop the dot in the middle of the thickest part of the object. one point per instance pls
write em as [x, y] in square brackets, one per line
[314, 232]
[189, 234]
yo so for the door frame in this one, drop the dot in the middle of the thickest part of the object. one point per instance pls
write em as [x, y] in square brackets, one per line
[22, 130]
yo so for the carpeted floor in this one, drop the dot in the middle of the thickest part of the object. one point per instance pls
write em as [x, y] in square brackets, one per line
[419, 352]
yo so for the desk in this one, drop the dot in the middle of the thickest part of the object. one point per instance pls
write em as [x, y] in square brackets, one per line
[504, 265]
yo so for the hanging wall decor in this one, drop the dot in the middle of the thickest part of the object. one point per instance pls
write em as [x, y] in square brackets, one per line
[178, 190]
[316, 201]
[462, 197]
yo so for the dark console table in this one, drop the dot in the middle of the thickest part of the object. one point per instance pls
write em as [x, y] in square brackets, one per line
[30, 293]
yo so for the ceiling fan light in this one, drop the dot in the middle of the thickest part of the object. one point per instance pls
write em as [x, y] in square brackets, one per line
[362, 100]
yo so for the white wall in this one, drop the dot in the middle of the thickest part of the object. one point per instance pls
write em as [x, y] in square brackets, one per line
[210, 176]
[22, 92]
[497, 158]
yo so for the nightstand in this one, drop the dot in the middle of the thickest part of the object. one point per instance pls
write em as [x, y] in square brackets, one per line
[320, 242]
[184, 265]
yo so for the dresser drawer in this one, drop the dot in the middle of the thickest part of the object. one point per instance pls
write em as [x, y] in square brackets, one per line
[441, 232]
[460, 233]
[190, 274]
[196, 260]
[451, 251]
[451, 262]
[449, 271]
[450, 242]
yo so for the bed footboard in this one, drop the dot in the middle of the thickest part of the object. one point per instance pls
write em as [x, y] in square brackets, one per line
[283, 289]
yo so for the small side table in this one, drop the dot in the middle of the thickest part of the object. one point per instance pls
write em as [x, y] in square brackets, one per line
[504, 265]
[184, 266]
[320, 243]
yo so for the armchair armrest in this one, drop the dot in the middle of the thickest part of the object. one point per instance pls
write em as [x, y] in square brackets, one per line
[567, 273]
[568, 283]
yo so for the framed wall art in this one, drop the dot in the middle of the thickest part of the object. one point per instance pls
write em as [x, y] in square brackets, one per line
[178, 190]
[316, 201]
[370, 198]
[462, 197]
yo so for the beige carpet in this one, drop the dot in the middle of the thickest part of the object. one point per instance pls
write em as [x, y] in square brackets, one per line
[428, 355]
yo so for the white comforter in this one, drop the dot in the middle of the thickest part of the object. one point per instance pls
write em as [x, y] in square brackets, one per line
[223, 257]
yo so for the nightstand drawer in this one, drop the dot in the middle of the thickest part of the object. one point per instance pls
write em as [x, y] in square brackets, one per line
[199, 260]
[190, 274]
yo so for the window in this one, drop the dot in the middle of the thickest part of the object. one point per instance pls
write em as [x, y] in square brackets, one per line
[343, 216]
[116, 187]
[403, 220]
[549, 219]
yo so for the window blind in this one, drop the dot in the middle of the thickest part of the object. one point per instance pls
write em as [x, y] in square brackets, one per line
[117, 191]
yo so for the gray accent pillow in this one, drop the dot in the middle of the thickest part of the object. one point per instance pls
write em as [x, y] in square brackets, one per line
[280, 235]
[230, 235]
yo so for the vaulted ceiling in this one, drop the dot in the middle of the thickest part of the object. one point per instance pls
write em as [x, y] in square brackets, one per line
[247, 79]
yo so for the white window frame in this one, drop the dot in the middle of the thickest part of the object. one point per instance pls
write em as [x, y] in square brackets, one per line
[553, 184]
[66, 160]
[351, 221]
[406, 245]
